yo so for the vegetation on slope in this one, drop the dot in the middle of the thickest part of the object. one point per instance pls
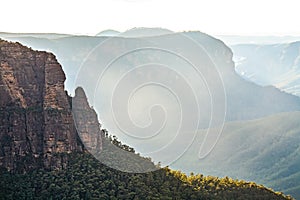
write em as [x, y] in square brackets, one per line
[265, 151]
[86, 178]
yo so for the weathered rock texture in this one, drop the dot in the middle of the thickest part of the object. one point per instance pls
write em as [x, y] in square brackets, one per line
[36, 122]
[87, 122]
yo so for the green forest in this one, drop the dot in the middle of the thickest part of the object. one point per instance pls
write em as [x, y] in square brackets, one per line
[86, 178]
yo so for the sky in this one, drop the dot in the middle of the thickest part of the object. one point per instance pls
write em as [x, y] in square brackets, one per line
[216, 17]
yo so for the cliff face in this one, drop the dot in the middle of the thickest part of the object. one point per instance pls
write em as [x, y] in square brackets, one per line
[36, 121]
[87, 123]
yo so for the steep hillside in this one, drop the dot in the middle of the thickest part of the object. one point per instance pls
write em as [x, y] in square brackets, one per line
[264, 150]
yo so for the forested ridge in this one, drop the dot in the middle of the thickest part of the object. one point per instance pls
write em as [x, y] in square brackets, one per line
[85, 177]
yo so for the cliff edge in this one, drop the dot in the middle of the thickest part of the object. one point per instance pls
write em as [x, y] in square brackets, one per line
[36, 121]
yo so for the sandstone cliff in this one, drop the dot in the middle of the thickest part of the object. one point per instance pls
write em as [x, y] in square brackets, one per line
[36, 121]
[86, 122]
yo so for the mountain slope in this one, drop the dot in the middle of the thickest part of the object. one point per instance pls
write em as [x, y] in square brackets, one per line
[245, 100]
[264, 150]
[276, 64]
[85, 178]
[32, 96]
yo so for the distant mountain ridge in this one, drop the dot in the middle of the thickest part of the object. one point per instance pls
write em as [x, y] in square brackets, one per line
[277, 65]
[141, 32]
[108, 33]
[71, 51]
[231, 40]
[34, 35]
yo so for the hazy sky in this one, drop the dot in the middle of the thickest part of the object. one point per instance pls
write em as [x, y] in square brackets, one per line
[248, 17]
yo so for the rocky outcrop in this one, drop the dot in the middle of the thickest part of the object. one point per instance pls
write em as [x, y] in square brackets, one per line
[87, 123]
[36, 121]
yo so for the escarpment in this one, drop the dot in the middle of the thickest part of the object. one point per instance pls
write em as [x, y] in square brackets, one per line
[36, 120]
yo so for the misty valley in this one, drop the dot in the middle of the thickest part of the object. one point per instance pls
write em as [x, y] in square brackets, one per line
[149, 114]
